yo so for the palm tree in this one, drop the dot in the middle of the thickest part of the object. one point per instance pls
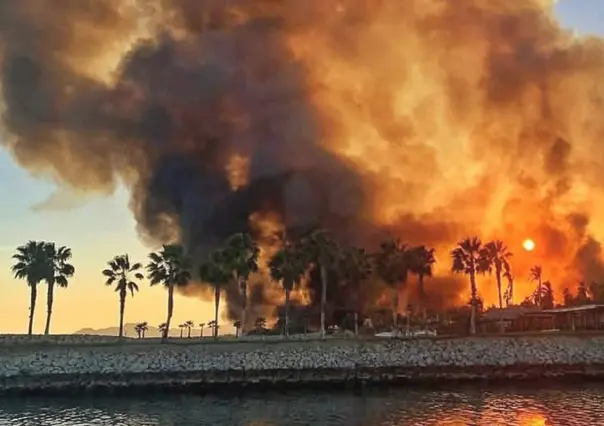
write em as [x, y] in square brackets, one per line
[60, 270]
[497, 256]
[31, 264]
[355, 267]
[201, 325]
[213, 325]
[163, 329]
[260, 323]
[140, 329]
[421, 263]
[215, 270]
[237, 325]
[318, 246]
[288, 266]
[468, 258]
[182, 327]
[124, 275]
[547, 296]
[242, 253]
[536, 274]
[509, 291]
[189, 325]
[169, 267]
[392, 266]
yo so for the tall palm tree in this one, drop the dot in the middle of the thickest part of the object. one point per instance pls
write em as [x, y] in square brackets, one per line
[355, 268]
[468, 259]
[536, 274]
[169, 267]
[124, 275]
[59, 272]
[242, 254]
[323, 252]
[288, 266]
[497, 257]
[509, 291]
[421, 263]
[392, 266]
[31, 264]
[215, 270]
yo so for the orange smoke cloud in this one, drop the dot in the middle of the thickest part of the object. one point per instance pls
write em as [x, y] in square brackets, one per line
[428, 120]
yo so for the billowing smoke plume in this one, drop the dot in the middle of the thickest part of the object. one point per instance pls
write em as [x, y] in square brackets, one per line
[427, 119]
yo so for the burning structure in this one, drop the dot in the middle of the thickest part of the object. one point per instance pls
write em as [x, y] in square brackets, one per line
[428, 120]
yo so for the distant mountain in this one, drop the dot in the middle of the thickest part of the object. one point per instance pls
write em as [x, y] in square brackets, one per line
[130, 331]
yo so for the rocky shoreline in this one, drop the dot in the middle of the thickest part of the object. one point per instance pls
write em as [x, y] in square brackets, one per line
[114, 367]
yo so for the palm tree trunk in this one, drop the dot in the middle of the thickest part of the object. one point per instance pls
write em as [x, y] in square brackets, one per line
[170, 310]
[243, 286]
[539, 293]
[201, 333]
[49, 302]
[323, 299]
[122, 309]
[395, 303]
[473, 303]
[181, 332]
[188, 332]
[32, 307]
[422, 299]
[498, 276]
[287, 291]
[356, 324]
[216, 306]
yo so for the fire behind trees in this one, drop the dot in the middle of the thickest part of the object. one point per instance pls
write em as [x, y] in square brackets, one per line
[424, 120]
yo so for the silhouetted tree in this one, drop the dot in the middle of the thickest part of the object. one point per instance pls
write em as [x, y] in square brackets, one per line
[392, 266]
[421, 263]
[123, 275]
[59, 272]
[536, 274]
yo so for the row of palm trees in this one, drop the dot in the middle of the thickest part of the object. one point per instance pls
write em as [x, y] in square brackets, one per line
[238, 258]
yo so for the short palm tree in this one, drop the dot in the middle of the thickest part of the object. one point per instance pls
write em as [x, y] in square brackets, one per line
[355, 268]
[468, 259]
[237, 326]
[124, 275]
[170, 267]
[201, 326]
[32, 265]
[140, 329]
[509, 291]
[59, 273]
[320, 249]
[242, 254]
[392, 266]
[260, 323]
[215, 270]
[189, 325]
[163, 329]
[182, 327]
[421, 263]
[288, 266]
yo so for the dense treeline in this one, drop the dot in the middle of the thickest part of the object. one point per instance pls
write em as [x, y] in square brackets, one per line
[238, 258]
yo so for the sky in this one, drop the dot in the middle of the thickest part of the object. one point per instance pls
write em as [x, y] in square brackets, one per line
[99, 227]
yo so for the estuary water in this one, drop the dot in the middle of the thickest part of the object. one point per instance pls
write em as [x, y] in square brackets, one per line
[580, 405]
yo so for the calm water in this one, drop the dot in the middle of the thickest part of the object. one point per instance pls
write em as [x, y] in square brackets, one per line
[566, 406]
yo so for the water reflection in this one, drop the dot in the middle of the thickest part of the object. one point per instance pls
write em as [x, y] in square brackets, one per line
[566, 406]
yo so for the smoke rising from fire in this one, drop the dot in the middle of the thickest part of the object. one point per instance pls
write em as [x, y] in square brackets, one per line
[429, 120]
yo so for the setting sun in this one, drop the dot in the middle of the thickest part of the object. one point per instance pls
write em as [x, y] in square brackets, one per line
[528, 244]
